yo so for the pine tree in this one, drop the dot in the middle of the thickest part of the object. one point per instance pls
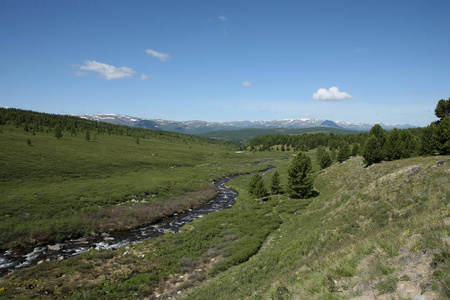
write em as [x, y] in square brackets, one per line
[355, 149]
[300, 183]
[256, 186]
[319, 153]
[373, 152]
[428, 143]
[87, 136]
[326, 161]
[275, 187]
[408, 143]
[379, 133]
[333, 154]
[58, 132]
[442, 109]
[393, 147]
[442, 136]
[344, 153]
[374, 147]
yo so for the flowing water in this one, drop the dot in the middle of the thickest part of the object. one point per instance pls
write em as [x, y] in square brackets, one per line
[17, 258]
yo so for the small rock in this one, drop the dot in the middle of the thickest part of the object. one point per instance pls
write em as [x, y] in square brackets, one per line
[419, 297]
[56, 247]
[60, 258]
[40, 262]
[109, 239]
[80, 241]
[105, 234]
[441, 162]
[413, 171]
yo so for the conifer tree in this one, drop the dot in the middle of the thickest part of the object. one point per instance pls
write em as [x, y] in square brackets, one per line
[427, 141]
[373, 152]
[344, 153]
[408, 144]
[442, 136]
[442, 109]
[300, 183]
[374, 146]
[333, 154]
[355, 149]
[87, 136]
[275, 187]
[393, 147]
[326, 161]
[256, 186]
[319, 153]
[58, 132]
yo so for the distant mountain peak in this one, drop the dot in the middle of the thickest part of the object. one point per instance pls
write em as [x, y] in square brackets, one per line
[328, 123]
[198, 127]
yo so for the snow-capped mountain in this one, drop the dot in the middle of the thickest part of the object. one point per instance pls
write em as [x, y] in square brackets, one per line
[197, 127]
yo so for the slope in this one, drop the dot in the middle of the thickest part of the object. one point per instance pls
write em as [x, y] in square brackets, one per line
[373, 232]
[380, 232]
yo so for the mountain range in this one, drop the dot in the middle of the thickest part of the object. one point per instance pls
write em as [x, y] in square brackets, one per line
[199, 127]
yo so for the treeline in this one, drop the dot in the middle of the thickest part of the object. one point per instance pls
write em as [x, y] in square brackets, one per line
[305, 141]
[61, 125]
[375, 146]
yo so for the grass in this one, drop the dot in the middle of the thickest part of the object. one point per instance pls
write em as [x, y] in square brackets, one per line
[69, 186]
[368, 230]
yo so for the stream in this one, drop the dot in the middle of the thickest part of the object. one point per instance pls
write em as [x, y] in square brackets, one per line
[17, 258]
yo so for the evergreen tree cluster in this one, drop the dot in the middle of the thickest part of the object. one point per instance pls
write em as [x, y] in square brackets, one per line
[256, 186]
[62, 125]
[397, 144]
[300, 183]
[306, 141]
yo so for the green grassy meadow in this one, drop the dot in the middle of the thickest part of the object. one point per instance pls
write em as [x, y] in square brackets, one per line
[54, 188]
[378, 231]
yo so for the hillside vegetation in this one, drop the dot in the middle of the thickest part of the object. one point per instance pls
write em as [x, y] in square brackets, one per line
[243, 136]
[63, 176]
[372, 232]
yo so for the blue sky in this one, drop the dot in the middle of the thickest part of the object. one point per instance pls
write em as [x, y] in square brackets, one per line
[357, 61]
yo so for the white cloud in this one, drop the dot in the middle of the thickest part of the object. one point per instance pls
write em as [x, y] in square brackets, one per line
[331, 94]
[222, 18]
[80, 73]
[158, 55]
[246, 84]
[106, 71]
[144, 77]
